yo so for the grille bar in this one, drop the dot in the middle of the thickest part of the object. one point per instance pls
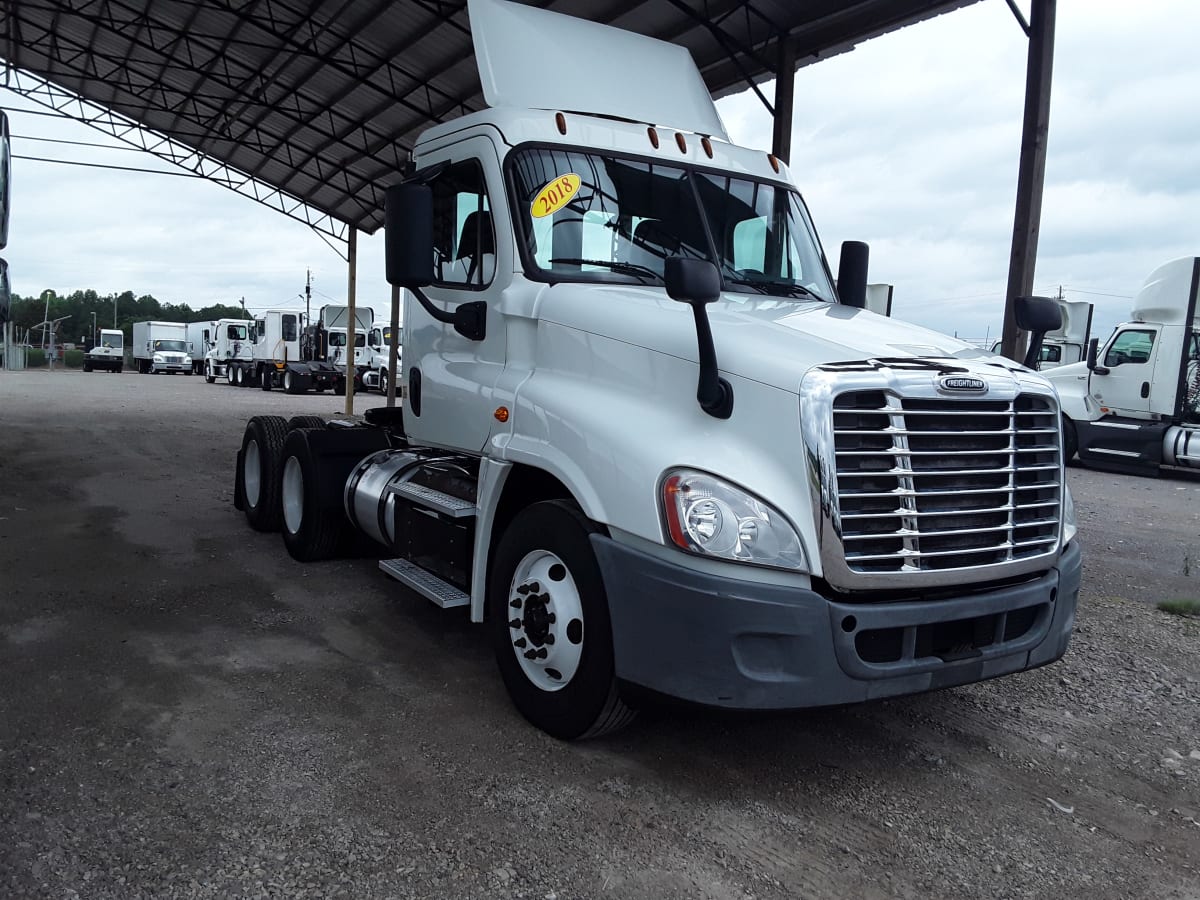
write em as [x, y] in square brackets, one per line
[906, 532]
[981, 511]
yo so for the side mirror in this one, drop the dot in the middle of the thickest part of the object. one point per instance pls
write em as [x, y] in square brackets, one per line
[852, 274]
[408, 240]
[694, 281]
[698, 283]
[1093, 349]
[1037, 315]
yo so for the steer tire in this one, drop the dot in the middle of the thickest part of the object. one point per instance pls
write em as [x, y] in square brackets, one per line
[588, 702]
[262, 449]
[1070, 440]
[310, 531]
[120, 366]
[87, 367]
[266, 378]
[209, 376]
[305, 422]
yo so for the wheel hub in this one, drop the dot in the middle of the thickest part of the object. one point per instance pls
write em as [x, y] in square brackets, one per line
[547, 620]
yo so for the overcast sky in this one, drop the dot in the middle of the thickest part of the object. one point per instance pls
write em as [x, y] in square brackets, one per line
[910, 142]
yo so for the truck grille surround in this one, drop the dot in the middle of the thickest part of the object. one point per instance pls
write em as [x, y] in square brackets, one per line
[921, 484]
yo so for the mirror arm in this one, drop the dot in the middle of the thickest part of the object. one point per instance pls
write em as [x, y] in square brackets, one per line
[469, 319]
[713, 392]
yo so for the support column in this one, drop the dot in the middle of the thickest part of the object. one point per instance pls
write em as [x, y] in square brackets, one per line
[394, 349]
[1031, 176]
[351, 326]
[785, 88]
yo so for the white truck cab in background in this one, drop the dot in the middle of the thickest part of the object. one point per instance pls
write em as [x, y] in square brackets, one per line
[1134, 405]
[1068, 343]
[161, 347]
[646, 439]
[379, 343]
[108, 354]
[215, 343]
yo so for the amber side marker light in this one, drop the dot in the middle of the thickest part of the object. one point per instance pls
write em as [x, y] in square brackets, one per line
[681, 142]
[774, 161]
[653, 137]
[501, 414]
[561, 121]
[707, 145]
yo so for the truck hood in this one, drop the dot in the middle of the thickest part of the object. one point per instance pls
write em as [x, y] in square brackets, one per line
[766, 339]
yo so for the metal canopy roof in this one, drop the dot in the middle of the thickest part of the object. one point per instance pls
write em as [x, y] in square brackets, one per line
[312, 105]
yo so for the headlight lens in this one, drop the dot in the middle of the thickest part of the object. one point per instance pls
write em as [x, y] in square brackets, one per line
[1069, 526]
[158, 357]
[712, 517]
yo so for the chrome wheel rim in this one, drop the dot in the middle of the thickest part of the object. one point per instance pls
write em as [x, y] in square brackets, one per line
[293, 495]
[252, 473]
[545, 620]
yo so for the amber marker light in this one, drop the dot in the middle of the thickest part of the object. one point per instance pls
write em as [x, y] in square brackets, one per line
[501, 414]
[681, 142]
[707, 145]
[561, 121]
[653, 137]
[774, 161]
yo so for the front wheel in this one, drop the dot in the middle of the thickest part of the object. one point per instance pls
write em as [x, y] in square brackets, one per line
[209, 375]
[1070, 440]
[550, 626]
[87, 367]
[266, 378]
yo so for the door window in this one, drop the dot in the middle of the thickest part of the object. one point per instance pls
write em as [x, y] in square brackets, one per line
[288, 327]
[1130, 348]
[464, 241]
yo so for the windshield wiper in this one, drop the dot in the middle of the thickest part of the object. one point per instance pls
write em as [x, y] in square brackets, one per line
[616, 265]
[776, 288]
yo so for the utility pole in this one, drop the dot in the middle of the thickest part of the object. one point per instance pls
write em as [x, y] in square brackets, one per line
[243, 307]
[307, 296]
[114, 312]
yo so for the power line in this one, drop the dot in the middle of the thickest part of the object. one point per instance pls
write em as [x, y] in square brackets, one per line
[30, 137]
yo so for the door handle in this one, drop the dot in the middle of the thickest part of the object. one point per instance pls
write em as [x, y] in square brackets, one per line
[1145, 389]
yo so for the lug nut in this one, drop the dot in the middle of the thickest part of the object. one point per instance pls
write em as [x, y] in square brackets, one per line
[514, 623]
[516, 604]
[549, 639]
[519, 643]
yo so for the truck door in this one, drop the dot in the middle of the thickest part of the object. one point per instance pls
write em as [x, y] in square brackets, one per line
[449, 380]
[1129, 358]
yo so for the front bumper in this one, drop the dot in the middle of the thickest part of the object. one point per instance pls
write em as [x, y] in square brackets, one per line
[170, 367]
[744, 645]
[104, 363]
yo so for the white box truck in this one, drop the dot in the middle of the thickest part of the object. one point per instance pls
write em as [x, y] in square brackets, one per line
[1135, 405]
[161, 347]
[649, 443]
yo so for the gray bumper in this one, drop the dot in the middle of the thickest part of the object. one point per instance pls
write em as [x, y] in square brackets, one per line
[737, 644]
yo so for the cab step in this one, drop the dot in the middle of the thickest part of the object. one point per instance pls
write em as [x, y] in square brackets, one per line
[441, 592]
[446, 504]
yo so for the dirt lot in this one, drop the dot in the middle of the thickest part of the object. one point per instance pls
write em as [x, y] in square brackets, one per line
[185, 712]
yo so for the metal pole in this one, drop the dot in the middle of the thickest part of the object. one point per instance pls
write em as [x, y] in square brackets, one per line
[394, 350]
[785, 89]
[1031, 175]
[352, 264]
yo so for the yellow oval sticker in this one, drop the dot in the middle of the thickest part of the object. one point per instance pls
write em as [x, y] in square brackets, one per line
[554, 196]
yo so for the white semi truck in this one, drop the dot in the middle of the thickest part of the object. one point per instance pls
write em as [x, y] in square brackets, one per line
[289, 353]
[161, 347]
[214, 343]
[379, 343]
[108, 354]
[642, 438]
[1135, 405]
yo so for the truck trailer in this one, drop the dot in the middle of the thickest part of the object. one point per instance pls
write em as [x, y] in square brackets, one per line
[161, 347]
[649, 442]
[1135, 405]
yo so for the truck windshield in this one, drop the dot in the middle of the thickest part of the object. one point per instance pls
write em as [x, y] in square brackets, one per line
[171, 346]
[113, 341]
[338, 339]
[586, 216]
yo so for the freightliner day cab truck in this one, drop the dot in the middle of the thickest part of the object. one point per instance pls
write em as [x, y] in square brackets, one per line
[288, 353]
[219, 342]
[759, 497]
[379, 343]
[108, 355]
[1135, 406]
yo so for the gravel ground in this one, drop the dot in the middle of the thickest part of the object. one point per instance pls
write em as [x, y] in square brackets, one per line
[185, 712]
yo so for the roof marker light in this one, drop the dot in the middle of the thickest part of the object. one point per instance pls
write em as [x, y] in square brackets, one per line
[561, 121]
[707, 145]
[774, 161]
[681, 142]
[653, 137]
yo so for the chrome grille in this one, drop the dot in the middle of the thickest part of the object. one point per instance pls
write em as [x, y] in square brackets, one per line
[934, 483]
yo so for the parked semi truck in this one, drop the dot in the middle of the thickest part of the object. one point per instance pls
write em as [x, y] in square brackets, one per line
[214, 343]
[1135, 405]
[379, 345]
[645, 443]
[290, 353]
[108, 354]
[161, 347]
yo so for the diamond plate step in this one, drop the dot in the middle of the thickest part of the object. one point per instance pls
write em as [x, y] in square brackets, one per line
[425, 583]
[446, 504]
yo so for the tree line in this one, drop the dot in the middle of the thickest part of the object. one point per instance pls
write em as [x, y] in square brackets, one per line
[28, 312]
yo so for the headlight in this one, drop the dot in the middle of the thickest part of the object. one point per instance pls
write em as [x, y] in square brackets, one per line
[158, 357]
[1069, 526]
[712, 517]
